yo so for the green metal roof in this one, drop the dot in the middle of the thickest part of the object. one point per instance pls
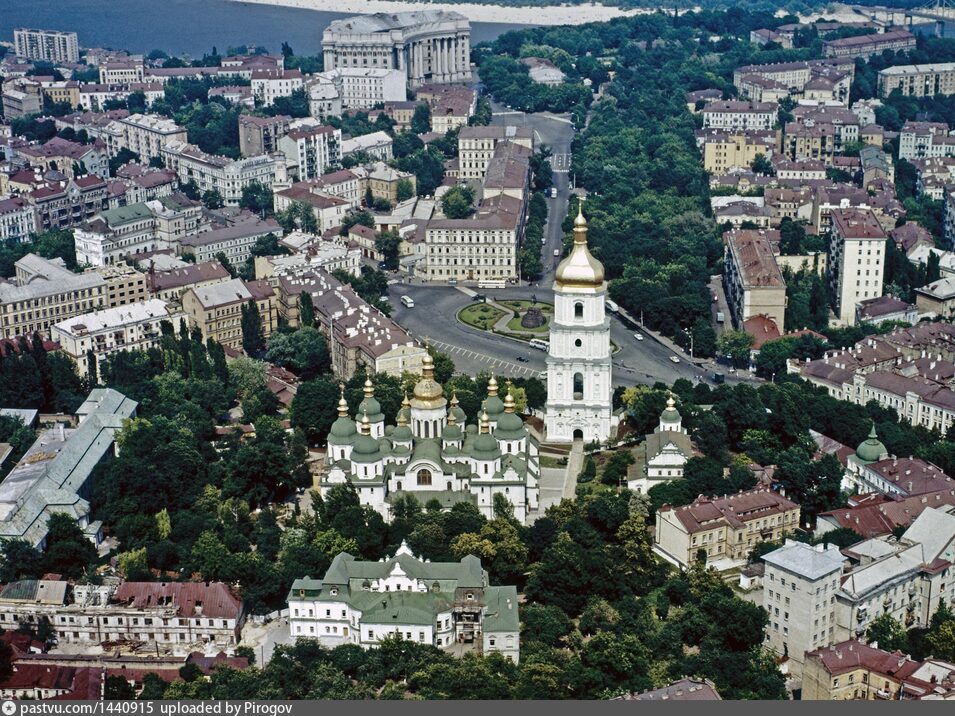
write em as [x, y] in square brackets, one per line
[126, 214]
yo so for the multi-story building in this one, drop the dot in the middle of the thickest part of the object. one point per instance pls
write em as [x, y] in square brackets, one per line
[311, 151]
[60, 205]
[476, 146]
[17, 220]
[799, 595]
[124, 284]
[724, 528]
[170, 284]
[845, 123]
[796, 75]
[122, 71]
[383, 181]
[234, 240]
[270, 84]
[724, 150]
[734, 114]
[117, 234]
[918, 80]
[21, 100]
[856, 260]
[434, 454]
[427, 46]
[217, 309]
[70, 158]
[450, 605]
[324, 99]
[143, 134]
[374, 146]
[357, 88]
[359, 336]
[261, 135]
[919, 140]
[100, 334]
[937, 299]
[53, 476]
[46, 45]
[180, 616]
[226, 176]
[815, 142]
[867, 45]
[762, 89]
[94, 97]
[855, 671]
[328, 210]
[234, 94]
[753, 282]
[44, 292]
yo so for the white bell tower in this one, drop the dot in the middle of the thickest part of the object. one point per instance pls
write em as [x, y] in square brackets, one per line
[579, 388]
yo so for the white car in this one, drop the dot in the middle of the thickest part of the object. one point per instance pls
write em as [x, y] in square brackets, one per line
[638, 336]
[674, 359]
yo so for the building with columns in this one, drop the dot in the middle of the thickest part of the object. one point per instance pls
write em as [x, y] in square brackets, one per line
[429, 46]
[432, 453]
[579, 385]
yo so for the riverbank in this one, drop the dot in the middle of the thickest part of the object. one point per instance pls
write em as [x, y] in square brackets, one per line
[548, 15]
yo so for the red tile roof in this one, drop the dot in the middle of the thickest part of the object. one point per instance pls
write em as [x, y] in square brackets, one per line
[213, 598]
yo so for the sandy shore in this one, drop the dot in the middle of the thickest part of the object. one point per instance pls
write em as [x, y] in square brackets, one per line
[550, 15]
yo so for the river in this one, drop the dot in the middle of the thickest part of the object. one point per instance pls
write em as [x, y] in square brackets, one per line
[185, 26]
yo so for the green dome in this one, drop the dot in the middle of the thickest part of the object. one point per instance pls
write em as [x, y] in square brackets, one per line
[365, 449]
[373, 408]
[671, 414]
[343, 431]
[493, 405]
[485, 448]
[402, 433]
[509, 427]
[871, 450]
[451, 432]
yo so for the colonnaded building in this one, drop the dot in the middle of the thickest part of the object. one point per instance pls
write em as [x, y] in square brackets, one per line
[433, 454]
[429, 46]
[579, 387]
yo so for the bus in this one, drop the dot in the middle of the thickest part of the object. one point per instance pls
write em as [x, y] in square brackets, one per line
[492, 283]
[540, 344]
[407, 301]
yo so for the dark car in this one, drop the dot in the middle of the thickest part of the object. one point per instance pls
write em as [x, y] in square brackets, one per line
[479, 297]
[719, 378]
[521, 359]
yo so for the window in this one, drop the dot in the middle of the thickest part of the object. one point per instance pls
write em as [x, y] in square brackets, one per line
[578, 386]
[424, 476]
[578, 310]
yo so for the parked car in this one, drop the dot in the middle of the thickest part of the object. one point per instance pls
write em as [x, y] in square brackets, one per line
[521, 359]
[674, 359]
[638, 336]
[719, 378]
[556, 252]
[452, 282]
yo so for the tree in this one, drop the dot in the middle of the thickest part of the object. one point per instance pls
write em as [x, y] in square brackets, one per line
[761, 165]
[306, 310]
[736, 345]
[404, 190]
[253, 333]
[257, 198]
[117, 688]
[314, 408]
[304, 352]
[68, 551]
[213, 199]
[888, 632]
[121, 158]
[421, 119]
[457, 202]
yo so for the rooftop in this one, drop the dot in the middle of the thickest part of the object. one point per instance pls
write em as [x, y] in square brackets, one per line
[116, 317]
[807, 561]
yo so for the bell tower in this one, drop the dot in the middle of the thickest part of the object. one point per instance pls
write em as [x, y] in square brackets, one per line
[579, 388]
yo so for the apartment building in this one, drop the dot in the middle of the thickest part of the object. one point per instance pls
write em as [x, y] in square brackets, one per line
[270, 84]
[69, 158]
[21, 99]
[724, 150]
[856, 260]
[235, 240]
[311, 151]
[61, 205]
[261, 135]
[800, 583]
[752, 280]
[375, 146]
[846, 126]
[145, 135]
[93, 97]
[797, 75]
[813, 142]
[762, 89]
[217, 309]
[324, 100]
[329, 210]
[937, 298]
[180, 616]
[383, 181]
[44, 292]
[918, 80]
[449, 605]
[170, 284]
[100, 334]
[724, 528]
[918, 140]
[46, 45]
[124, 284]
[734, 114]
[117, 234]
[17, 220]
[476, 146]
[122, 71]
[867, 45]
[227, 176]
[360, 87]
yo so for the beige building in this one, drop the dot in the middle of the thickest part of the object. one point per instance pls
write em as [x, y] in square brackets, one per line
[169, 285]
[383, 181]
[217, 309]
[856, 260]
[726, 150]
[135, 326]
[724, 528]
[937, 298]
[124, 284]
[476, 146]
[311, 151]
[261, 135]
[227, 176]
[234, 240]
[753, 282]
[46, 45]
[145, 135]
[868, 45]
[44, 292]
[918, 80]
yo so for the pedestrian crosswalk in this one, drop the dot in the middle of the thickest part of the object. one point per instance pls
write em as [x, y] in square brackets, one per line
[560, 162]
[498, 365]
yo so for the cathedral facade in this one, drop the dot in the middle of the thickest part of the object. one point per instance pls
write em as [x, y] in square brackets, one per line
[579, 388]
[432, 452]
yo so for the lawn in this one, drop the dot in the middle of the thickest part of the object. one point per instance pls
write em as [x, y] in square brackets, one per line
[480, 315]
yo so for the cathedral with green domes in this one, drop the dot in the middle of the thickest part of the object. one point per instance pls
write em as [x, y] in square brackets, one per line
[433, 453]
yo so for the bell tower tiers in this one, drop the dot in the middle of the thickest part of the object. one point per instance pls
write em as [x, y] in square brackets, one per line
[579, 388]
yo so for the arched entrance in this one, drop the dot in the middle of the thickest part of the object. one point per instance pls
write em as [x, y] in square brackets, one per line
[578, 434]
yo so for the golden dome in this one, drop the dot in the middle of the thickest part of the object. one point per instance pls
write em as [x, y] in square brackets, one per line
[365, 424]
[580, 269]
[509, 403]
[428, 393]
[342, 404]
[492, 386]
[369, 388]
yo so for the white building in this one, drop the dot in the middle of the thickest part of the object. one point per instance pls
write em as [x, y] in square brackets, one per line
[799, 595]
[856, 260]
[427, 46]
[270, 84]
[324, 100]
[227, 176]
[145, 135]
[17, 220]
[665, 453]
[733, 114]
[135, 326]
[46, 45]
[450, 605]
[376, 145]
[579, 386]
[361, 87]
[311, 151]
[476, 146]
[919, 140]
